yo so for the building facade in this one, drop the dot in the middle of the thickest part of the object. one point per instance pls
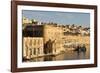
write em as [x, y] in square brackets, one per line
[53, 39]
[33, 47]
[33, 41]
[40, 40]
[26, 20]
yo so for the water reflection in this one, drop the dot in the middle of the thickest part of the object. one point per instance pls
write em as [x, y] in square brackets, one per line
[68, 55]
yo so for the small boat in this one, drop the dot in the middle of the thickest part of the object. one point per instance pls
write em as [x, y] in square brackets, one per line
[80, 49]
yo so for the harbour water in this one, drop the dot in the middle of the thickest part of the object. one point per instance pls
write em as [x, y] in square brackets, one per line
[67, 55]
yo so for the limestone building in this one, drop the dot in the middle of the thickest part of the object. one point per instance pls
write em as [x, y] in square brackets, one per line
[26, 20]
[33, 47]
[53, 39]
[40, 40]
[32, 41]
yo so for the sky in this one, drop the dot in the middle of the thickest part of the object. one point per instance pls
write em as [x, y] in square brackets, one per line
[64, 18]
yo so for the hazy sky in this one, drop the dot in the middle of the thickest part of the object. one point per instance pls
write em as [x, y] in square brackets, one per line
[58, 17]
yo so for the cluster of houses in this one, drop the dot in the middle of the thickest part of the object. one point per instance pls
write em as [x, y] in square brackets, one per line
[43, 39]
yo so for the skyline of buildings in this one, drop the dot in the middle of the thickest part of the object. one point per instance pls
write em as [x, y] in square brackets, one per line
[61, 18]
[26, 21]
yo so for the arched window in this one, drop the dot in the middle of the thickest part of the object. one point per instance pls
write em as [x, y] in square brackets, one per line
[34, 51]
[34, 41]
[38, 41]
[30, 51]
[38, 50]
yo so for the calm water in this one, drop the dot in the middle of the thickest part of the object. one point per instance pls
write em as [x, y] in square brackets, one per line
[68, 55]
